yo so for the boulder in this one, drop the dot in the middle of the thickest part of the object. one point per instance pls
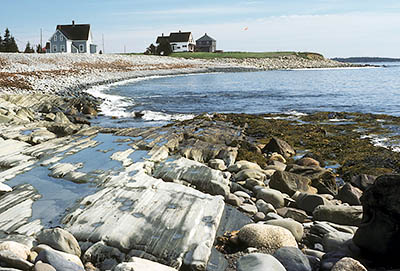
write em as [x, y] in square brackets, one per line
[59, 239]
[324, 180]
[268, 237]
[293, 226]
[248, 208]
[272, 196]
[350, 194]
[379, 236]
[279, 146]
[234, 200]
[103, 256]
[348, 264]
[292, 259]
[363, 181]
[308, 162]
[20, 250]
[59, 260]
[259, 262]
[243, 164]
[250, 174]
[40, 266]
[289, 183]
[265, 207]
[308, 202]
[276, 157]
[41, 135]
[340, 214]
[217, 164]
[335, 240]
[139, 264]
[9, 259]
[295, 214]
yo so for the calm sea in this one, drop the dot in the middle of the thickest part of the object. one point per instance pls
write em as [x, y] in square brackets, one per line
[160, 99]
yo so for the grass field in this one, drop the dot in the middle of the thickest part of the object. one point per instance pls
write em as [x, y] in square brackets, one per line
[240, 55]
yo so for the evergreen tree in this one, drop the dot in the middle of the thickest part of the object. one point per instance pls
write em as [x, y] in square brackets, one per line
[6, 40]
[13, 46]
[28, 48]
[9, 44]
[151, 50]
[164, 48]
[1, 44]
[39, 49]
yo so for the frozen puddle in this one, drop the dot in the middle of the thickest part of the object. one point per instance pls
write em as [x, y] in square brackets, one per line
[66, 173]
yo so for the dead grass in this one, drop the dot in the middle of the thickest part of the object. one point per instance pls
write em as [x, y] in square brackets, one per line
[14, 81]
[4, 62]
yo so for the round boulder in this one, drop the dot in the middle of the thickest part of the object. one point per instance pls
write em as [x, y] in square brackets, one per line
[294, 227]
[348, 264]
[266, 236]
[61, 240]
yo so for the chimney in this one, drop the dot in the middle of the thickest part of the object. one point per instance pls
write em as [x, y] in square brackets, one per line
[73, 22]
[162, 35]
[179, 31]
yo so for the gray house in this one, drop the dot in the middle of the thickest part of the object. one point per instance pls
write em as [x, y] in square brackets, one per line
[206, 44]
[72, 38]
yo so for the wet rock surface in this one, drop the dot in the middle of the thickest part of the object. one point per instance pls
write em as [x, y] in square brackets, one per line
[186, 196]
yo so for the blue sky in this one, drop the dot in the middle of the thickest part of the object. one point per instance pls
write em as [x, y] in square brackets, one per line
[331, 27]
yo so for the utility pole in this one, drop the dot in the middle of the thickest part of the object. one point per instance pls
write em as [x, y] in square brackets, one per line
[41, 35]
[102, 38]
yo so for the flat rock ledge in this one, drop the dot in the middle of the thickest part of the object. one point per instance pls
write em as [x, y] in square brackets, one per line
[174, 223]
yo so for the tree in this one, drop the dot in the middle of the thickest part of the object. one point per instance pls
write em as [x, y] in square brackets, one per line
[164, 48]
[39, 49]
[151, 50]
[9, 44]
[1, 44]
[29, 48]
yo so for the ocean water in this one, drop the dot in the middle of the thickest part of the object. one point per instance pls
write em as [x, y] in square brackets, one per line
[161, 99]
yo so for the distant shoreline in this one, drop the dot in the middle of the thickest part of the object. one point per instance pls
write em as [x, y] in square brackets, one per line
[366, 59]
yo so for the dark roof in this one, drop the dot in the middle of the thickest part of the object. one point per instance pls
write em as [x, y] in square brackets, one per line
[179, 36]
[205, 38]
[160, 38]
[75, 31]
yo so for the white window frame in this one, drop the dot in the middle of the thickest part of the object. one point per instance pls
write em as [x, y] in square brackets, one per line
[81, 48]
[54, 48]
[62, 48]
[55, 37]
[61, 38]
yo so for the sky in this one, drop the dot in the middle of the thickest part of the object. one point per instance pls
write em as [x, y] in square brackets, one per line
[335, 28]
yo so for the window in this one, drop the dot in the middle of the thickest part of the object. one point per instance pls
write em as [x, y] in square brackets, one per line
[61, 38]
[81, 48]
[54, 48]
[55, 37]
[62, 48]
[184, 46]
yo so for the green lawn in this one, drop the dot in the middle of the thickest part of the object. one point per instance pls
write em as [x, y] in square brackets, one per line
[242, 54]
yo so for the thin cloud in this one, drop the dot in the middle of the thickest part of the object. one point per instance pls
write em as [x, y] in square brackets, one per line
[193, 11]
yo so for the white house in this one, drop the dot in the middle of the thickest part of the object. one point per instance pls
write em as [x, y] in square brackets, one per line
[72, 38]
[180, 41]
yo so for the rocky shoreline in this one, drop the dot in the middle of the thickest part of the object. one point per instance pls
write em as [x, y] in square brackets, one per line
[66, 74]
[218, 192]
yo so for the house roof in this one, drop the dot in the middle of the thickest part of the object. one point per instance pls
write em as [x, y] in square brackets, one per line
[75, 31]
[205, 38]
[179, 36]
